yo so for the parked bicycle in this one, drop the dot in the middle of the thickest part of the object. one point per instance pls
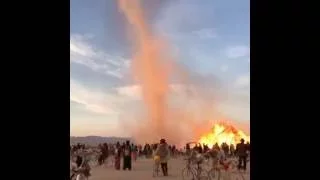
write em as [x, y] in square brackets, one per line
[194, 173]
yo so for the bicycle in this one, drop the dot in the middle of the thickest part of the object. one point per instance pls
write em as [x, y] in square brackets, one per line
[188, 172]
[214, 173]
[194, 173]
[201, 174]
[228, 168]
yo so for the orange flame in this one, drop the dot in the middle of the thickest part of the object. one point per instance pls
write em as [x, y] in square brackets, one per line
[223, 133]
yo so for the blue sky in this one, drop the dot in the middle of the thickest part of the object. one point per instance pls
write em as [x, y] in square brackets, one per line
[211, 37]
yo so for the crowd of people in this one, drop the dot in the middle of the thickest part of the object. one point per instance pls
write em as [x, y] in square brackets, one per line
[125, 151]
[219, 154]
[128, 152]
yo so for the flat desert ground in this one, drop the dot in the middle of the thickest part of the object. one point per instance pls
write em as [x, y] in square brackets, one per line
[142, 170]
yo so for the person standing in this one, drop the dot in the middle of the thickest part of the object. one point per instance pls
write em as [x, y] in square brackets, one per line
[163, 152]
[188, 150]
[232, 150]
[135, 152]
[117, 156]
[241, 151]
[127, 162]
[226, 149]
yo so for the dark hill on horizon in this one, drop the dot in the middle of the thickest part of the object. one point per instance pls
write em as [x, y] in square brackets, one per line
[95, 140]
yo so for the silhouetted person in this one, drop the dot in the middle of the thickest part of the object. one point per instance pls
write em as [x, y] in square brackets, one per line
[216, 146]
[200, 150]
[140, 150]
[241, 151]
[188, 149]
[134, 152]
[225, 148]
[117, 156]
[232, 150]
[127, 156]
[101, 157]
[173, 151]
[248, 146]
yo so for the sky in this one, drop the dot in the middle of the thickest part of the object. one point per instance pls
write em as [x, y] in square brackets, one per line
[211, 37]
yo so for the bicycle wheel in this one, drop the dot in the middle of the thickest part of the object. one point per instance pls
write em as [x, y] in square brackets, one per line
[188, 174]
[214, 174]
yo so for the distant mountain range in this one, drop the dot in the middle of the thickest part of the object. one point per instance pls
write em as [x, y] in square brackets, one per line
[95, 140]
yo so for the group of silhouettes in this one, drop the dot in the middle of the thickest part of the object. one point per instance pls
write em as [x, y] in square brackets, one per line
[241, 150]
[128, 151]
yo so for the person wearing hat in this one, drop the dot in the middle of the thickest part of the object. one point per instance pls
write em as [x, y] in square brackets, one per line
[163, 152]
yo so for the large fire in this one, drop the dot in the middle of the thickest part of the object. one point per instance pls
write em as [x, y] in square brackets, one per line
[223, 133]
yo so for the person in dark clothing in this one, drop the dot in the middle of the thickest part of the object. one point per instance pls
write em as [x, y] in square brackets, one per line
[196, 148]
[135, 152]
[241, 151]
[145, 150]
[200, 150]
[117, 156]
[188, 149]
[232, 150]
[140, 152]
[127, 156]
[173, 151]
[225, 148]
[248, 151]
[101, 158]
[79, 161]
[105, 152]
[205, 148]
[248, 146]
[148, 151]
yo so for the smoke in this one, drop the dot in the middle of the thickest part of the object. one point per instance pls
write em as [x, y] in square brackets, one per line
[179, 111]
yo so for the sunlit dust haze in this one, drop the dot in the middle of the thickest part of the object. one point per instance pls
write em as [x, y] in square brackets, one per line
[163, 115]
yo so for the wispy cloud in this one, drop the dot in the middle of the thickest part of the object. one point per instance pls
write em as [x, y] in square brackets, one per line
[242, 81]
[207, 33]
[237, 51]
[82, 52]
[93, 100]
[131, 91]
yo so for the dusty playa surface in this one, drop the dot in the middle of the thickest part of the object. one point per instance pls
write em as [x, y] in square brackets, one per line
[142, 170]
